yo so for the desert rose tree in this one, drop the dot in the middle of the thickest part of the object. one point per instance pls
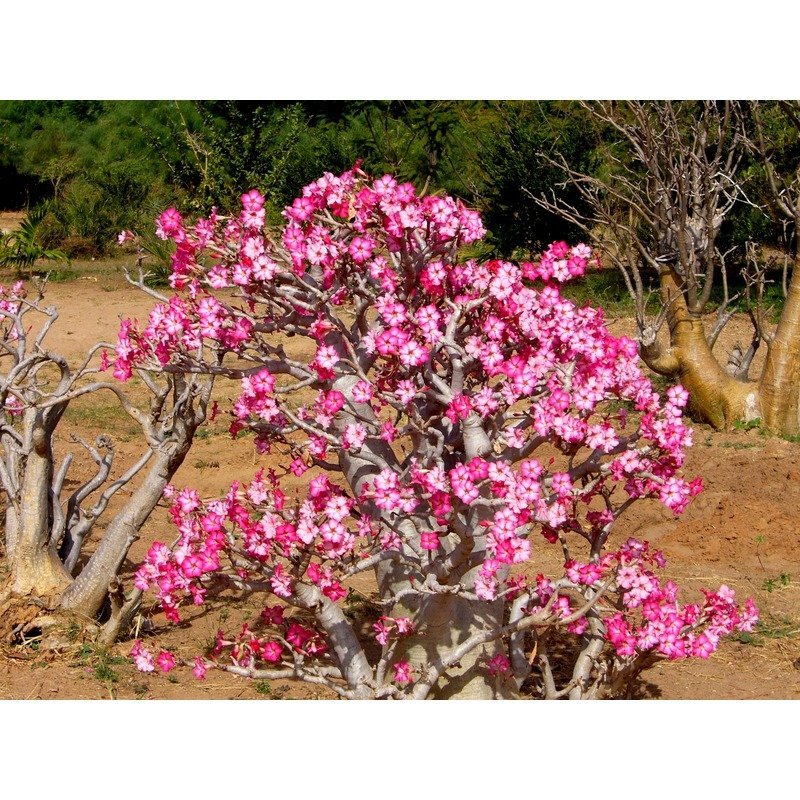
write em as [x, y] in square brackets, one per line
[432, 420]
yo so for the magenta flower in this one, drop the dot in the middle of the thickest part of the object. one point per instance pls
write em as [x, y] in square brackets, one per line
[402, 673]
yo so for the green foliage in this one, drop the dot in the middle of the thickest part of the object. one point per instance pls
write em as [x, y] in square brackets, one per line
[232, 146]
[779, 582]
[605, 288]
[431, 144]
[751, 425]
[22, 249]
[772, 627]
[112, 165]
[268, 691]
[95, 160]
[157, 264]
[101, 662]
[514, 158]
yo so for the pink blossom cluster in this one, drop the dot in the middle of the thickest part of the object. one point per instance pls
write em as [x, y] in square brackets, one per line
[666, 627]
[270, 644]
[640, 614]
[11, 298]
[255, 519]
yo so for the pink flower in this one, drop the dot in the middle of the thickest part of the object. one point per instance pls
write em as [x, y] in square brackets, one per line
[199, 670]
[499, 665]
[402, 673]
[272, 652]
[170, 225]
[429, 541]
[142, 658]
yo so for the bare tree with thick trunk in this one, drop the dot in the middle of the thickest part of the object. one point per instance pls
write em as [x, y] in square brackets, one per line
[656, 212]
[47, 526]
[779, 385]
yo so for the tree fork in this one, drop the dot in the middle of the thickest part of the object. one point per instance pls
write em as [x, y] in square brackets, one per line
[715, 396]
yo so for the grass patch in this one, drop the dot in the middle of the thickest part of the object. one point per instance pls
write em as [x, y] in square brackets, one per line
[101, 662]
[63, 275]
[757, 425]
[780, 582]
[105, 416]
[605, 288]
[752, 425]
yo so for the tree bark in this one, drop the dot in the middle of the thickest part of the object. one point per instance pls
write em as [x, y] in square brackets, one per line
[443, 622]
[35, 566]
[715, 396]
[88, 591]
[780, 380]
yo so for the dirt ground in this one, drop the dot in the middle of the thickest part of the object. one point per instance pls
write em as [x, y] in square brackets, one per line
[741, 531]
[10, 220]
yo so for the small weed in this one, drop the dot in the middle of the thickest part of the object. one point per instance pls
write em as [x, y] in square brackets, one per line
[83, 655]
[100, 661]
[265, 688]
[752, 425]
[105, 674]
[203, 433]
[767, 629]
[781, 582]
[739, 445]
[794, 438]
[202, 464]
[73, 631]
[173, 679]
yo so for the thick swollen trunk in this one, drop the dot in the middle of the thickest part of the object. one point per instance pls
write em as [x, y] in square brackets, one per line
[443, 622]
[35, 566]
[89, 590]
[780, 380]
[715, 396]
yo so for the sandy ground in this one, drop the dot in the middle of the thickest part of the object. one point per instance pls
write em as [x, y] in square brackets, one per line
[742, 531]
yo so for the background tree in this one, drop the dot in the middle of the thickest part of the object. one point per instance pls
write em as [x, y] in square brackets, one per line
[511, 156]
[657, 211]
[775, 143]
